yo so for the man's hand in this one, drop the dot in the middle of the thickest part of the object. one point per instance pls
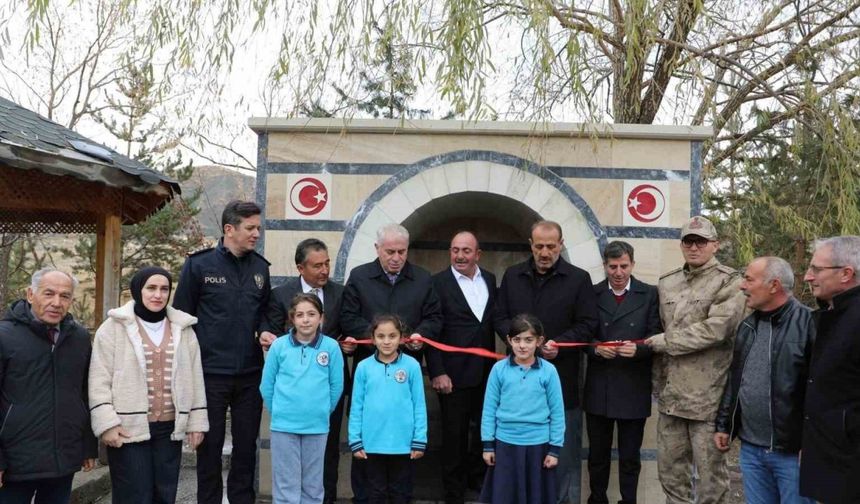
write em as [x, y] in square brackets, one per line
[490, 458]
[416, 454]
[550, 461]
[114, 437]
[722, 441]
[360, 454]
[442, 384]
[413, 344]
[88, 465]
[549, 351]
[193, 439]
[266, 339]
[348, 345]
[628, 349]
[607, 352]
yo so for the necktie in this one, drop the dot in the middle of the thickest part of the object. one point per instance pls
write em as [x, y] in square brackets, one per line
[392, 277]
[54, 333]
[315, 291]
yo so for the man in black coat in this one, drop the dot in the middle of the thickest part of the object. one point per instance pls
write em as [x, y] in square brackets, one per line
[227, 288]
[830, 456]
[562, 297]
[314, 266]
[618, 379]
[388, 285]
[44, 363]
[467, 293]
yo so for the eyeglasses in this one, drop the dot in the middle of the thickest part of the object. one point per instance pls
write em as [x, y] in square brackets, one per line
[698, 242]
[818, 269]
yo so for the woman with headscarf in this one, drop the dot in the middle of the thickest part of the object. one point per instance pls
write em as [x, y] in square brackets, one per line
[146, 391]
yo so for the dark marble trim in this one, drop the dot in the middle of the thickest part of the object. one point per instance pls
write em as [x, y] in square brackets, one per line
[659, 233]
[262, 179]
[305, 225]
[696, 178]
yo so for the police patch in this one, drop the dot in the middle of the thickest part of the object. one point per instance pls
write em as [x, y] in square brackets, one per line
[400, 375]
[322, 358]
[258, 279]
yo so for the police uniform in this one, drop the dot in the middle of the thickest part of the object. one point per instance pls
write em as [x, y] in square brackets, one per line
[700, 308]
[228, 295]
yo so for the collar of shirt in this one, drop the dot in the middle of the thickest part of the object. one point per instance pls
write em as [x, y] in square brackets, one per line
[625, 290]
[306, 288]
[458, 275]
[512, 360]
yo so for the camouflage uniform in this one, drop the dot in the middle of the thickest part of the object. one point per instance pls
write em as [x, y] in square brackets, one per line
[700, 309]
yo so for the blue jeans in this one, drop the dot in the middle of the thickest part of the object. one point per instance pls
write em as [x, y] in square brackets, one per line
[569, 470]
[770, 477]
[297, 467]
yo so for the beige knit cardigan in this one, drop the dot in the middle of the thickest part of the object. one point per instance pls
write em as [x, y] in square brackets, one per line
[117, 381]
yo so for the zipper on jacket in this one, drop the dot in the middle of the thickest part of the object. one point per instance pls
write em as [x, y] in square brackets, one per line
[770, 385]
[5, 418]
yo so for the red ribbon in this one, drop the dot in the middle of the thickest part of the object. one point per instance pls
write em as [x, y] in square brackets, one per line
[483, 352]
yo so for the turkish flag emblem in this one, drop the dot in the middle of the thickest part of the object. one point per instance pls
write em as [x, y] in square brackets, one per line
[646, 203]
[309, 196]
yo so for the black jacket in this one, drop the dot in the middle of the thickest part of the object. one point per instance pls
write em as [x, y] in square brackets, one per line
[369, 293]
[565, 304]
[278, 321]
[43, 400]
[461, 328]
[621, 387]
[229, 296]
[830, 465]
[791, 349]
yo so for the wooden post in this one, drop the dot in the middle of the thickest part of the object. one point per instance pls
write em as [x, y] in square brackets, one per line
[108, 267]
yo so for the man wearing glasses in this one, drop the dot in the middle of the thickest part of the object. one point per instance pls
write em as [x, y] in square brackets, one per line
[700, 306]
[830, 461]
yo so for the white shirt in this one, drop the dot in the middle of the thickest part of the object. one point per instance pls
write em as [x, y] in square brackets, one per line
[306, 288]
[155, 330]
[475, 290]
[621, 293]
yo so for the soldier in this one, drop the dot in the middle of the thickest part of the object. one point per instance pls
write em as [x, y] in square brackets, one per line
[700, 306]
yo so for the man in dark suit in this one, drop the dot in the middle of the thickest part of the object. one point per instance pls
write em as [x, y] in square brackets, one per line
[467, 294]
[618, 379]
[389, 284]
[562, 297]
[314, 266]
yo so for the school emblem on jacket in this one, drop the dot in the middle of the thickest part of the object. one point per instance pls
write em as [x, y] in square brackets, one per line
[400, 375]
[258, 279]
[322, 358]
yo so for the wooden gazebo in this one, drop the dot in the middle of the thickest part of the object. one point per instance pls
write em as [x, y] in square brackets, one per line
[53, 180]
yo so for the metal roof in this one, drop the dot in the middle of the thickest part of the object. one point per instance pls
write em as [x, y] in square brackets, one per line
[80, 157]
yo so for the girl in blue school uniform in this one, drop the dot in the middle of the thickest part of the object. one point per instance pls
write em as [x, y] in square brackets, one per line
[522, 424]
[301, 385]
[388, 419]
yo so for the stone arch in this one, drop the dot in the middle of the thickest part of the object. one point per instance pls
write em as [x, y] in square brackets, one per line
[412, 188]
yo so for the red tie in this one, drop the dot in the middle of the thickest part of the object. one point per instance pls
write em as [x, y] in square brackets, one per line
[54, 333]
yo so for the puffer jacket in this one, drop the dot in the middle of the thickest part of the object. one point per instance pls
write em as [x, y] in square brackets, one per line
[118, 386]
[790, 342]
[43, 395]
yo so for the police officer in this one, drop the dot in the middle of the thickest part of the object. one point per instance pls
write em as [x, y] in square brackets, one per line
[700, 306]
[227, 289]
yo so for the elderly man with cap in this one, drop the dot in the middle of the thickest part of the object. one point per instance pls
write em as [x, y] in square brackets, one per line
[700, 307]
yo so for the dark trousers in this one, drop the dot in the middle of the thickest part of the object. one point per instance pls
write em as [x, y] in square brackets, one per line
[241, 393]
[630, 433]
[389, 478]
[332, 453]
[47, 491]
[146, 472]
[462, 460]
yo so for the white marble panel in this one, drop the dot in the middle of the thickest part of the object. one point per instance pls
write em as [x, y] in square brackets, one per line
[478, 175]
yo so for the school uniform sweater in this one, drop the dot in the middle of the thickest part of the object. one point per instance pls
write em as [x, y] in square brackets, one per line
[523, 406]
[388, 415]
[302, 383]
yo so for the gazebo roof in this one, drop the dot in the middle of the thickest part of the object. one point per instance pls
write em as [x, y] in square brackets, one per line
[53, 179]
